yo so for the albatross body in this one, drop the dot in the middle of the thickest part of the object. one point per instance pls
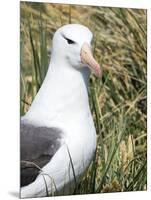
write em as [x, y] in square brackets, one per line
[58, 137]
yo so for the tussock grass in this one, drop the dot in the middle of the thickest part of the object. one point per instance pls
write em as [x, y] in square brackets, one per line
[118, 101]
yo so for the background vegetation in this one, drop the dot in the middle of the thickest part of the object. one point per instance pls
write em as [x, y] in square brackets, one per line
[118, 101]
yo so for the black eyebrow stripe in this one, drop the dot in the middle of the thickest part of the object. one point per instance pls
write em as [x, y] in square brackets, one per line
[63, 36]
[67, 38]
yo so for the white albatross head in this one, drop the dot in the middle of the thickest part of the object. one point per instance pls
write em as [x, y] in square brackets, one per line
[72, 42]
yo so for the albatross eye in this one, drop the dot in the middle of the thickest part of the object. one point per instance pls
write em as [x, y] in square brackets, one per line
[70, 41]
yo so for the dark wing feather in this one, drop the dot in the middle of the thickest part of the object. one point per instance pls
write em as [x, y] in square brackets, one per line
[38, 145]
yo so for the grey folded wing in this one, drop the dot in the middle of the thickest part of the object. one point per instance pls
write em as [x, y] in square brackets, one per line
[38, 145]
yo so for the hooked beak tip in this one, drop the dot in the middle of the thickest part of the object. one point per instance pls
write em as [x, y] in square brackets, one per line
[98, 71]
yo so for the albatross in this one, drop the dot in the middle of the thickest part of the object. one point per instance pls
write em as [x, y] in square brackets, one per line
[58, 137]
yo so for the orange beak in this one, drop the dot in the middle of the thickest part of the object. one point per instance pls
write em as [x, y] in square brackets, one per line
[87, 58]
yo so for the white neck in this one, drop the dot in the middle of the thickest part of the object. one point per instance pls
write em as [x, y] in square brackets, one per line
[63, 94]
